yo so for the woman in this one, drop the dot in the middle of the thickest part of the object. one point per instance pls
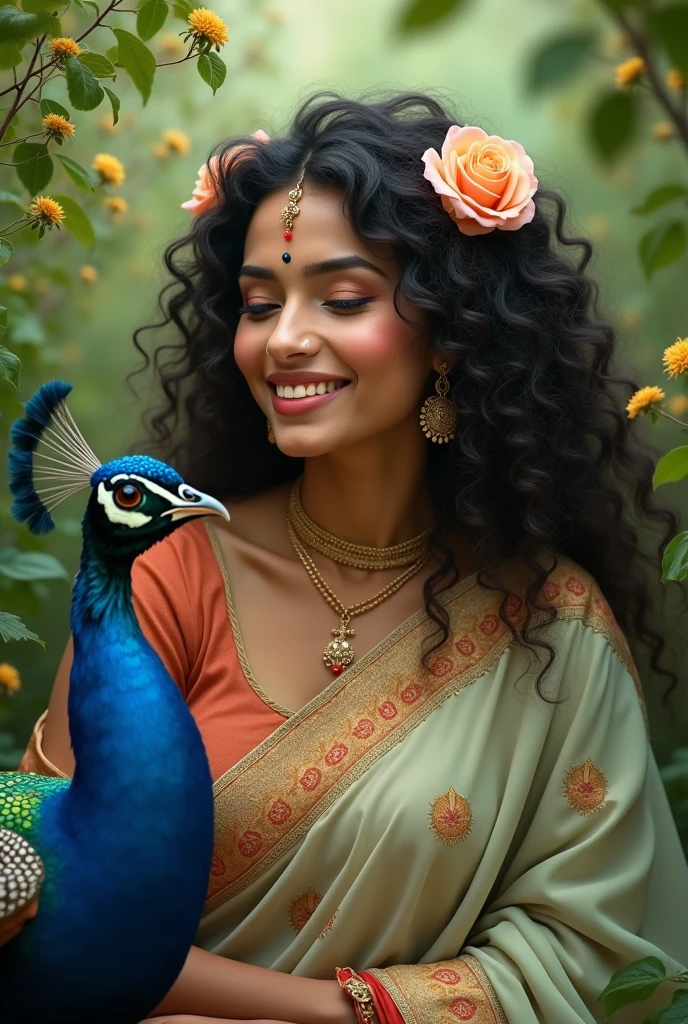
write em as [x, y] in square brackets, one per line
[407, 659]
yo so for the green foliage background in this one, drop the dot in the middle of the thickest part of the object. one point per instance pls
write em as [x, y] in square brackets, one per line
[480, 59]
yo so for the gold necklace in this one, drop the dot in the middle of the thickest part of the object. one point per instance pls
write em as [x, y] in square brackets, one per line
[339, 653]
[359, 556]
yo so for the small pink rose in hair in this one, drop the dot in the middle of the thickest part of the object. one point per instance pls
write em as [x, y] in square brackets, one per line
[484, 182]
[204, 195]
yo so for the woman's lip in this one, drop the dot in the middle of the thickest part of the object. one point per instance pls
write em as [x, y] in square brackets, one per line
[296, 406]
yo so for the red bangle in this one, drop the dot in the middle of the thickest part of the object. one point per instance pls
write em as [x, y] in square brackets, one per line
[359, 991]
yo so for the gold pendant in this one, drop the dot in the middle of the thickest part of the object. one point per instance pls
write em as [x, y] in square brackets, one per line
[339, 653]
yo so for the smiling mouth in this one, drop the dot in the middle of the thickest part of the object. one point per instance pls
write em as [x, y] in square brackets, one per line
[299, 391]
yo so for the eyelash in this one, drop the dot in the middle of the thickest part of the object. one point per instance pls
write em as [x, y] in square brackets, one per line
[265, 307]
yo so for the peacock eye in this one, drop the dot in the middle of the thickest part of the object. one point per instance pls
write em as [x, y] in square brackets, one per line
[128, 496]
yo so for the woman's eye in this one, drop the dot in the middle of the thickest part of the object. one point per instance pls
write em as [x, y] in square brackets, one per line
[258, 307]
[347, 303]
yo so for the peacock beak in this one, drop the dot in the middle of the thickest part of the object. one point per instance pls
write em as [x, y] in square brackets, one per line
[201, 505]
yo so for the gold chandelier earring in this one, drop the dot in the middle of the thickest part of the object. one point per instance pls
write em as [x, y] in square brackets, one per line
[438, 413]
[271, 436]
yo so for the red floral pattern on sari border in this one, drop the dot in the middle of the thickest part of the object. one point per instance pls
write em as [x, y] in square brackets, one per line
[267, 802]
[442, 993]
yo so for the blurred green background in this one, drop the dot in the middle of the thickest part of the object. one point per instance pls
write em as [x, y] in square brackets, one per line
[479, 59]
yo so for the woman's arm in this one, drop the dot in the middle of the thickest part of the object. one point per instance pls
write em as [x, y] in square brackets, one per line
[213, 986]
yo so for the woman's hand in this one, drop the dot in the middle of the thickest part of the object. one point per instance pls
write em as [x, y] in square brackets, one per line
[10, 928]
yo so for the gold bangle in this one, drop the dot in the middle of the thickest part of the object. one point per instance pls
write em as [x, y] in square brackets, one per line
[357, 989]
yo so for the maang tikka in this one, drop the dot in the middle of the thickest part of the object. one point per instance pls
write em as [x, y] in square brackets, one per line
[438, 413]
[290, 211]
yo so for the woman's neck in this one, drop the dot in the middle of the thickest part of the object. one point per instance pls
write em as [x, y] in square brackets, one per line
[375, 494]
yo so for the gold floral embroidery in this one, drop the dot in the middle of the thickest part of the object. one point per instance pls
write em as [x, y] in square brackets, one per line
[268, 801]
[444, 993]
[585, 787]
[302, 908]
[451, 817]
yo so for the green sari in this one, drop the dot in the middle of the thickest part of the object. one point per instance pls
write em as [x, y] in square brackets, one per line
[490, 856]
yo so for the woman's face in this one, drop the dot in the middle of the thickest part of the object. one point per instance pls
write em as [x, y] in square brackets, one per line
[325, 320]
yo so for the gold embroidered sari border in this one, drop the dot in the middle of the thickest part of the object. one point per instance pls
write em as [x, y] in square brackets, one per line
[366, 759]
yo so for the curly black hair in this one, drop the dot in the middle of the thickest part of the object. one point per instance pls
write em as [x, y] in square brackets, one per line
[545, 459]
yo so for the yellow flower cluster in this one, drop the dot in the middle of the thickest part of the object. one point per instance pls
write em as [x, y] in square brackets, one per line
[628, 71]
[17, 283]
[171, 45]
[208, 25]
[57, 126]
[177, 141]
[663, 131]
[46, 210]
[88, 273]
[675, 363]
[64, 46]
[110, 169]
[676, 358]
[10, 680]
[643, 399]
[117, 205]
[675, 80]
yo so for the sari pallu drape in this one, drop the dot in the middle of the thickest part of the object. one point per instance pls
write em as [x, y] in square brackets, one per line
[486, 855]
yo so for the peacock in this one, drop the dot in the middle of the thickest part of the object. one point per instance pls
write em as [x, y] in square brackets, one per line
[123, 850]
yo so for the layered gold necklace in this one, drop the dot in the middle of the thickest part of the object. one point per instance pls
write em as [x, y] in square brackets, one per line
[302, 530]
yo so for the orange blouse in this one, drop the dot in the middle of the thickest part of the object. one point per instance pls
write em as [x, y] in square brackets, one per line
[183, 603]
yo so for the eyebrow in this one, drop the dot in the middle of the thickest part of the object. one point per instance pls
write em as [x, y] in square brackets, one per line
[315, 269]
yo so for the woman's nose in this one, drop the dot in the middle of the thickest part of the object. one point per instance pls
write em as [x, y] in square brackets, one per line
[291, 338]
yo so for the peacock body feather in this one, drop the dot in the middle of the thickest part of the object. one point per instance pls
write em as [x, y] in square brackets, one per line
[127, 843]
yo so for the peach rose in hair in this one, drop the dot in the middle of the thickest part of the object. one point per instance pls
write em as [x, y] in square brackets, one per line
[204, 195]
[484, 181]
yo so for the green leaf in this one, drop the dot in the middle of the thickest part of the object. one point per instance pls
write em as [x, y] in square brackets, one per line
[423, 13]
[19, 26]
[671, 467]
[150, 18]
[613, 122]
[35, 166]
[6, 250]
[114, 102]
[669, 25]
[27, 329]
[30, 565]
[137, 60]
[659, 196]
[12, 628]
[53, 107]
[82, 86]
[662, 246]
[10, 53]
[111, 54]
[675, 1013]
[182, 9]
[98, 63]
[37, 6]
[212, 70]
[559, 58]
[10, 366]
[675, 558]
[76, 221]
[634, 983]
[10, 197]
[79, 175]
[3, 318]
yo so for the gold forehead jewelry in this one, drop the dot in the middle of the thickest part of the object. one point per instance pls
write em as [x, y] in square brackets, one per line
[290, 211]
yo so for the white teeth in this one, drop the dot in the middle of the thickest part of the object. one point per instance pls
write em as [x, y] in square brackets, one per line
[303, 391]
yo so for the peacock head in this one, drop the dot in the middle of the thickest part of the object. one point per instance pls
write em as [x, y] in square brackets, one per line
[135, 500]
